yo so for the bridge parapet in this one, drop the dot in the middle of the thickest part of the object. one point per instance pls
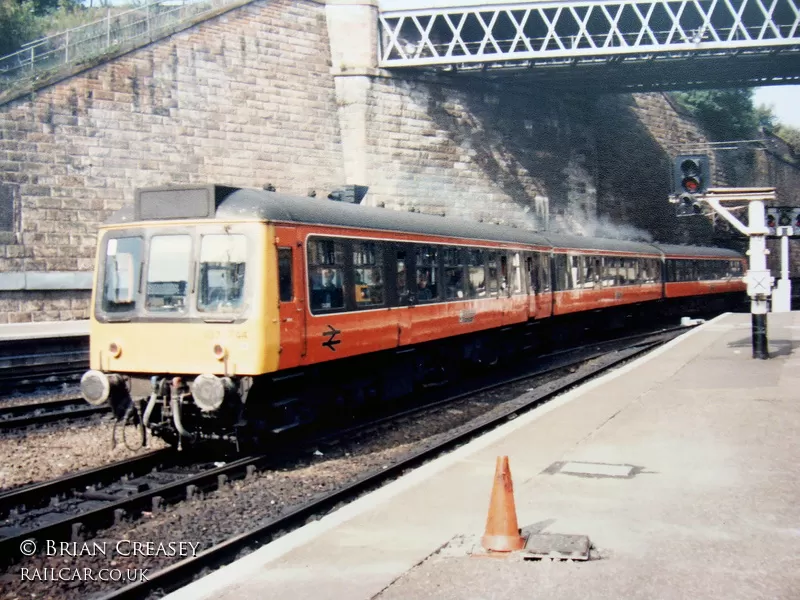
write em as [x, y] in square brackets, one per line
[469, 35]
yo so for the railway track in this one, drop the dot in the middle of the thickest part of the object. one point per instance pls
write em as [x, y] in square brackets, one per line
[28, 364]
[76, 505]
[27, 415]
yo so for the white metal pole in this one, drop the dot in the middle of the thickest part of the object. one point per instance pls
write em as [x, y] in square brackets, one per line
[759, 281]
[784, 256]
[782, 294]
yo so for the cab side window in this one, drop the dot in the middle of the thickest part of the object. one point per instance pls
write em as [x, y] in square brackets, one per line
[285, 274]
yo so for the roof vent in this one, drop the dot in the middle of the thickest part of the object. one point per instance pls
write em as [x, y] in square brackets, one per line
[353, 194]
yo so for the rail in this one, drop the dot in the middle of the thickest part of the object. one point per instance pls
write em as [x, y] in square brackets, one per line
[100, 37]
[44, 362]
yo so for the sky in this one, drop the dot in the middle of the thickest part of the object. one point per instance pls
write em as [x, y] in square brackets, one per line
[785, 102]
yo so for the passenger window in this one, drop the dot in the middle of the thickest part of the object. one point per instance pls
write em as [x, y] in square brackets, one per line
[544, 272]
[631, 273]
[589, 272]
[401, 280]
[453, 274]
[575, 272]
[325, 274]
[285, 289]
[491, 264]
[477, 273]
[562, 274]
[647, 271]
[516, 274]
[609, 271]
[532, 273]
[368, 267]
[427, 281]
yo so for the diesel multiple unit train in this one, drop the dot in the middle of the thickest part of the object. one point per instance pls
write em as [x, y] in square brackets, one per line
[221, 312]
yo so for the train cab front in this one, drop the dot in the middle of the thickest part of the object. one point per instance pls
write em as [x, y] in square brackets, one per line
[180, 325]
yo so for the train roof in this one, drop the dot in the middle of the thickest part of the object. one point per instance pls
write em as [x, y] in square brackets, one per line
[578, 242]
[271, 206]
[249, 204]
[672, 250]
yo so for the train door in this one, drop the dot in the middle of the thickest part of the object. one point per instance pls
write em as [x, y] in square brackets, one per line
[531, 282]
[291, 296]
[513, 289]
[540, 284]
[404, 290]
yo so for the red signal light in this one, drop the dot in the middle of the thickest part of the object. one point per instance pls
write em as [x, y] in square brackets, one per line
[690, 184]
[691, 174]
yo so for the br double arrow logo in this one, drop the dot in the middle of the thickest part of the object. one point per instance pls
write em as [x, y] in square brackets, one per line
[331, 334]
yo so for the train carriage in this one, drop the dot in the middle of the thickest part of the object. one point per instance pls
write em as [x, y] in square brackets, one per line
[697, 271]
[596, 273]
[213, 306]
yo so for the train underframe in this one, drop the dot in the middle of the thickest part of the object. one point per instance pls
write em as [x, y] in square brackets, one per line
[184, 409]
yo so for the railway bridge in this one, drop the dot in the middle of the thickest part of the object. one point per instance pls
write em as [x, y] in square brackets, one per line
[494, 112]
[625, 44]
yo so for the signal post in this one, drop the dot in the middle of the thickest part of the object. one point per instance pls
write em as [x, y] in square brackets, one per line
[758, 278]
[691, 177]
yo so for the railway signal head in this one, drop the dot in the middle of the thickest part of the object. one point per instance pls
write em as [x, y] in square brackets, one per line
[771, 221]
[691, 175]
[688, 206]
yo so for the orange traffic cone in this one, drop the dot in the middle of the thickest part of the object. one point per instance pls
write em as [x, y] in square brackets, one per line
[502, 531]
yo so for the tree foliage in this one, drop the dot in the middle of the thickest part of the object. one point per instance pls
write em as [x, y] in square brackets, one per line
[791, 135]
[769, 121]
[18, 24]
[725, 114]
[23, 21]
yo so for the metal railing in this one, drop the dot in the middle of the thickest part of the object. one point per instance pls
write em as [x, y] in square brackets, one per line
[101, 37]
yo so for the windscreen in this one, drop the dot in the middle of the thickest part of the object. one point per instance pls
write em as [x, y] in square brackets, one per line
[222, 267]
[168, 273]
[121, 267]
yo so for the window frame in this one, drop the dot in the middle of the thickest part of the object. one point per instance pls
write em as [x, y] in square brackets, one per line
[292, 294]
[342, 266]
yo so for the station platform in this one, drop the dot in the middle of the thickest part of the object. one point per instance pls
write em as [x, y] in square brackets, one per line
[681, 468]
[44, 329]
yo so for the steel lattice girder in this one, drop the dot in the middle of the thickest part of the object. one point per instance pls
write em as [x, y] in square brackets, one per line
[577, 31]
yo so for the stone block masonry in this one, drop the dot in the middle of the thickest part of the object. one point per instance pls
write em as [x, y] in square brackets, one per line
[479, 151]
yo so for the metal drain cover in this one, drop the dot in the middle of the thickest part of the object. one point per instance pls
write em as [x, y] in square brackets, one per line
[592, 469]
[557, 546]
